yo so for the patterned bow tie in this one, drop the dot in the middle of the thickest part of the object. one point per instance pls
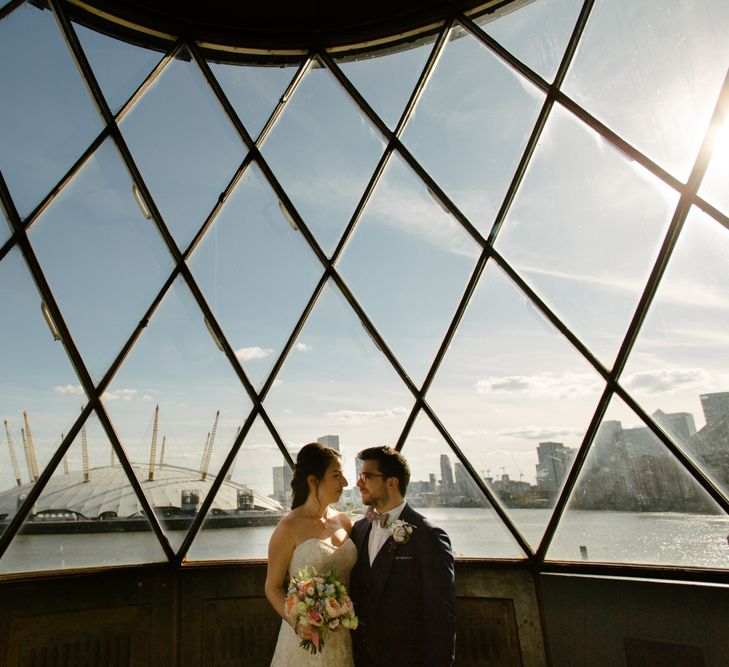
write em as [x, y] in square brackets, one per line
[373, 516]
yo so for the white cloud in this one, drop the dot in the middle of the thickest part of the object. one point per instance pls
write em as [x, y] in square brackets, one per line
[542, 385]
[75, 390]
[361, 416]
[302, 347]
[542, 433]
[120, 394]
[664, 380]
[255, 352]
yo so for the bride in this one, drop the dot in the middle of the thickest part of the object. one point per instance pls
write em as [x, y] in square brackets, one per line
[316, 536]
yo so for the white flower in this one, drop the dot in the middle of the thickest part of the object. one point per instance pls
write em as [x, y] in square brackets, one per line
[400, 531]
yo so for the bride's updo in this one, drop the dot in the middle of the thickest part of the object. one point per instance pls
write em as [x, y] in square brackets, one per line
[312, 459]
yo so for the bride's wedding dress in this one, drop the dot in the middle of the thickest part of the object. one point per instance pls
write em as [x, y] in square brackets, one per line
[337, 652]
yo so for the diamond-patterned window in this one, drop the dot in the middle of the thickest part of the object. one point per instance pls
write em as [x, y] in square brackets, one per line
[500, 246]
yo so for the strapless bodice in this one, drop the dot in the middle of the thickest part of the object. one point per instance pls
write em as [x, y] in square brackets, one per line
[323, 557]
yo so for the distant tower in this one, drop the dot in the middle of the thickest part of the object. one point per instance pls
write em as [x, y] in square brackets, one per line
[554, 462]
[446, 473]
[331, 441]
[715, 406]
[282, 476]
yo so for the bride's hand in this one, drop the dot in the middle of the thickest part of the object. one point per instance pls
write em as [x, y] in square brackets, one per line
[303, 631]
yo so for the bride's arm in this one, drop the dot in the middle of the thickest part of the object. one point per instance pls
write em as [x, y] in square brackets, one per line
[280, 548]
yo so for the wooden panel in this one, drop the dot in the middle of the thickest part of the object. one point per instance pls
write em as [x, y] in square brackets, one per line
[238, 631]
[645, 653]
[105, 637]
[487, 633]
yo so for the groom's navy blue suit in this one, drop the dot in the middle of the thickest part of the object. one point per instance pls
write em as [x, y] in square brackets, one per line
[405, 600]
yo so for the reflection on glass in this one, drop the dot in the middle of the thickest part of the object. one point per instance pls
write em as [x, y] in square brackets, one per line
[254, 91]
[679, 366]
[119, 67]
[254, 496]
[516, 398]
[185, 147]
[652, 72]
[537, 32]
[177, 405]
[634, 503]
[714, 186]
[387, 80]
[40, 396]
[335, 381]
[471, 125]
[323, 152]
[257, 274]
[424, 261]
[47, 118]
[103, 260]
[584, 231]
[441, 489]
[88, 514]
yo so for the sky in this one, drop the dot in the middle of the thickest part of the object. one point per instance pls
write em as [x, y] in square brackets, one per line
[583, 232]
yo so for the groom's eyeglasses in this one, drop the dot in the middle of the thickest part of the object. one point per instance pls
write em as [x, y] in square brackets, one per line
[364, 477]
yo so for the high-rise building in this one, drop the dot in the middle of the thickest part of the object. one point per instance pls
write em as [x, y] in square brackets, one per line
[282, 476]
[715, 406]
[554, 462]
[465, 485]
[680, 425]
[331, 441]
[446, 473]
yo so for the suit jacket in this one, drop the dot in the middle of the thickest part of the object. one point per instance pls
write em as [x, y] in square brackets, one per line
[405, 600]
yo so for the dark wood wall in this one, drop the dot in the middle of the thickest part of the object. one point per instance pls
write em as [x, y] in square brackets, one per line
[217, 616]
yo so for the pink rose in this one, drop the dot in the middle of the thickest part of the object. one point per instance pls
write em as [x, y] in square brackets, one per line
[307, 588]
[332, 608]
[315, 618]
[290, 606]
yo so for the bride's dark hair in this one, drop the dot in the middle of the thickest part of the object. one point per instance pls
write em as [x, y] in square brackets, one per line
[312, 459]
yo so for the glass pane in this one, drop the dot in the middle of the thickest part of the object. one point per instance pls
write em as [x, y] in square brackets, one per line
[634, 503]
[40, 396]
[335, 381]
[47, 118]
[471, 125]
[249, 504]
[119, 67]
[254, 91]
[103, 260]
[424, 261]
[257, 273]
[652, 72]
[535, 32]
[512, 392]
[5, 230]
[679, 367]
[323, 151]
[185, 147]
[714, 186]
[386, 80]
[87, 515]
[177, 398]
[584, 231]
[441, 489]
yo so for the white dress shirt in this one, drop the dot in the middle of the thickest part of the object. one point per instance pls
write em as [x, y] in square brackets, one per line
[379, 535]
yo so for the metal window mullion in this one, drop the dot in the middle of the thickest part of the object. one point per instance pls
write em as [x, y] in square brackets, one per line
[18, 519]
[574, 471]
[709, 209]
[636, 571]
[202, 513]
[695, 470]
[10, 8]
[283, 100]
[503, 515]
[425, 75]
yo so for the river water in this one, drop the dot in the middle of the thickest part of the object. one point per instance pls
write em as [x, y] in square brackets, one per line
[687, 540]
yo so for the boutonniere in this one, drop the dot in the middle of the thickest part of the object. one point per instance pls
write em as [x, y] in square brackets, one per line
[400, 531]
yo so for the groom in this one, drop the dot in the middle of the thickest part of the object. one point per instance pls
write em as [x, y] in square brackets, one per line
[403, 583]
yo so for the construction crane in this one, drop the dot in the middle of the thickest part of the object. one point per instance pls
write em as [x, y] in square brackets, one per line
[13, 458]
[30, 451]
[153, 448]
[85, 454]
[208, 451]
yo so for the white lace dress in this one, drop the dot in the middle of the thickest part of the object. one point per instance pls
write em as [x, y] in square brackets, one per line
[337, 651]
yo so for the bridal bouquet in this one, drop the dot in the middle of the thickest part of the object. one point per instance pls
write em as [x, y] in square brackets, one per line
[320, 602]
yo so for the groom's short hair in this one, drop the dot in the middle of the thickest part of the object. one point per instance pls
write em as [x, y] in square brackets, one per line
[390, 462]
